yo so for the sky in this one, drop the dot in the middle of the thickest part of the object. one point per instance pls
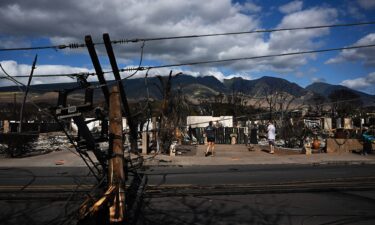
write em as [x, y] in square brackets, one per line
[34, 23]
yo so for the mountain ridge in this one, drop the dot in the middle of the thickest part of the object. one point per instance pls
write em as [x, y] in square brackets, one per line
[207, 86]
[326, 89]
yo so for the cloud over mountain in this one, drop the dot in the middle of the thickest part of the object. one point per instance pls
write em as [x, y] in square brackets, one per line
[70, 20]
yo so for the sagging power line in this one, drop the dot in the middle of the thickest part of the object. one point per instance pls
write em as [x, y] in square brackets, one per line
[134, 40]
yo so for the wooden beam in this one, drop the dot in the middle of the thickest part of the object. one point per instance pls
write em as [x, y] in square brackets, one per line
[97, 66]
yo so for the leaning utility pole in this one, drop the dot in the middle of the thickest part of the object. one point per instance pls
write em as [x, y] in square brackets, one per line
[124, 100]
[116, 173]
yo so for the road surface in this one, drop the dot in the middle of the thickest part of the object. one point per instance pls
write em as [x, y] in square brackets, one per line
[256, 194]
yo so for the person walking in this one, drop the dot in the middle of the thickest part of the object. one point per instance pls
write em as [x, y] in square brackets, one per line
[271, 135]
[210, 134]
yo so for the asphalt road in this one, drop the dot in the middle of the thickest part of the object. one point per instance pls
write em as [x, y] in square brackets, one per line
[255, 174]
[263, 194]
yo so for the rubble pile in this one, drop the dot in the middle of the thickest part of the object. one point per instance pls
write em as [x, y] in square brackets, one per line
[49, 142]
[45, 143]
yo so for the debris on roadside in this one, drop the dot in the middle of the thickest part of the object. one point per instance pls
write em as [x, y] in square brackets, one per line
[44, 143]
[60, 162]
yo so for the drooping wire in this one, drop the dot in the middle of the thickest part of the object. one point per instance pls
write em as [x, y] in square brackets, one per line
[140, 62]
[71, 75]
[18, 84]
[9, 77]
[110, 83]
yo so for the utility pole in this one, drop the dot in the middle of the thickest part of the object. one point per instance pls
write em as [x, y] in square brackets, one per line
[116, 173]
[26, 92]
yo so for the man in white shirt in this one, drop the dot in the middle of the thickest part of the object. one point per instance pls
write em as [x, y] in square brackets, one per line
[271, 135]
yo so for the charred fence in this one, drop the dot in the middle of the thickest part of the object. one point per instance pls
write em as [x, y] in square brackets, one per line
[223, 135]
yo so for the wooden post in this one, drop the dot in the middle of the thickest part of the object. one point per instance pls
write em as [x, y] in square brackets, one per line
[154, 129]
[6, 126]
[116, 173]
[144, 142]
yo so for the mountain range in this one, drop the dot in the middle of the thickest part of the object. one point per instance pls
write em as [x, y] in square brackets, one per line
[208, 86]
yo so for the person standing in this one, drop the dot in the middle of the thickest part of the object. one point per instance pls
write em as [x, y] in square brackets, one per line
[271, 135]
[210, 134]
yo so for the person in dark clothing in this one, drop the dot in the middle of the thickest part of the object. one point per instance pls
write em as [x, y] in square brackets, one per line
[210, 134]
[190, 132]
[368, 139]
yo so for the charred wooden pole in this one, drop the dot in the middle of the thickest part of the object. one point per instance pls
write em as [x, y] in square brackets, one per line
[116, 173]
[98, 69]
[125, 105]
[26, 92]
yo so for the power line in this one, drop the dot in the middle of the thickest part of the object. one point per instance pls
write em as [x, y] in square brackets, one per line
[255, 57]
[73, 75]
[243, 32]
[206, 62]
[55, 47]
[11, 78]
[134, 40]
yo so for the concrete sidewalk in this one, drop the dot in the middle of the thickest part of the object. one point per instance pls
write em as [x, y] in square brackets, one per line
[224, 155]
[240, 155]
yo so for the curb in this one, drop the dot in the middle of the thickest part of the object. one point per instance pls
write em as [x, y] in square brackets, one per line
[337, 163]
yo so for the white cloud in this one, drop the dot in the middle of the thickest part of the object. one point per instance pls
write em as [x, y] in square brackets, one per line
[249, 7]
[302, 39]
[14, 69]
[318, 80]
[365, 55]
[69, 21]
[291, 7]
[294, 41]
[366, 83]
[367, 4]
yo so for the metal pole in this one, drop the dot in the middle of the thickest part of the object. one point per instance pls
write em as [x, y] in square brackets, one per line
[116, 173]
[26, 92]
[125, 105]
